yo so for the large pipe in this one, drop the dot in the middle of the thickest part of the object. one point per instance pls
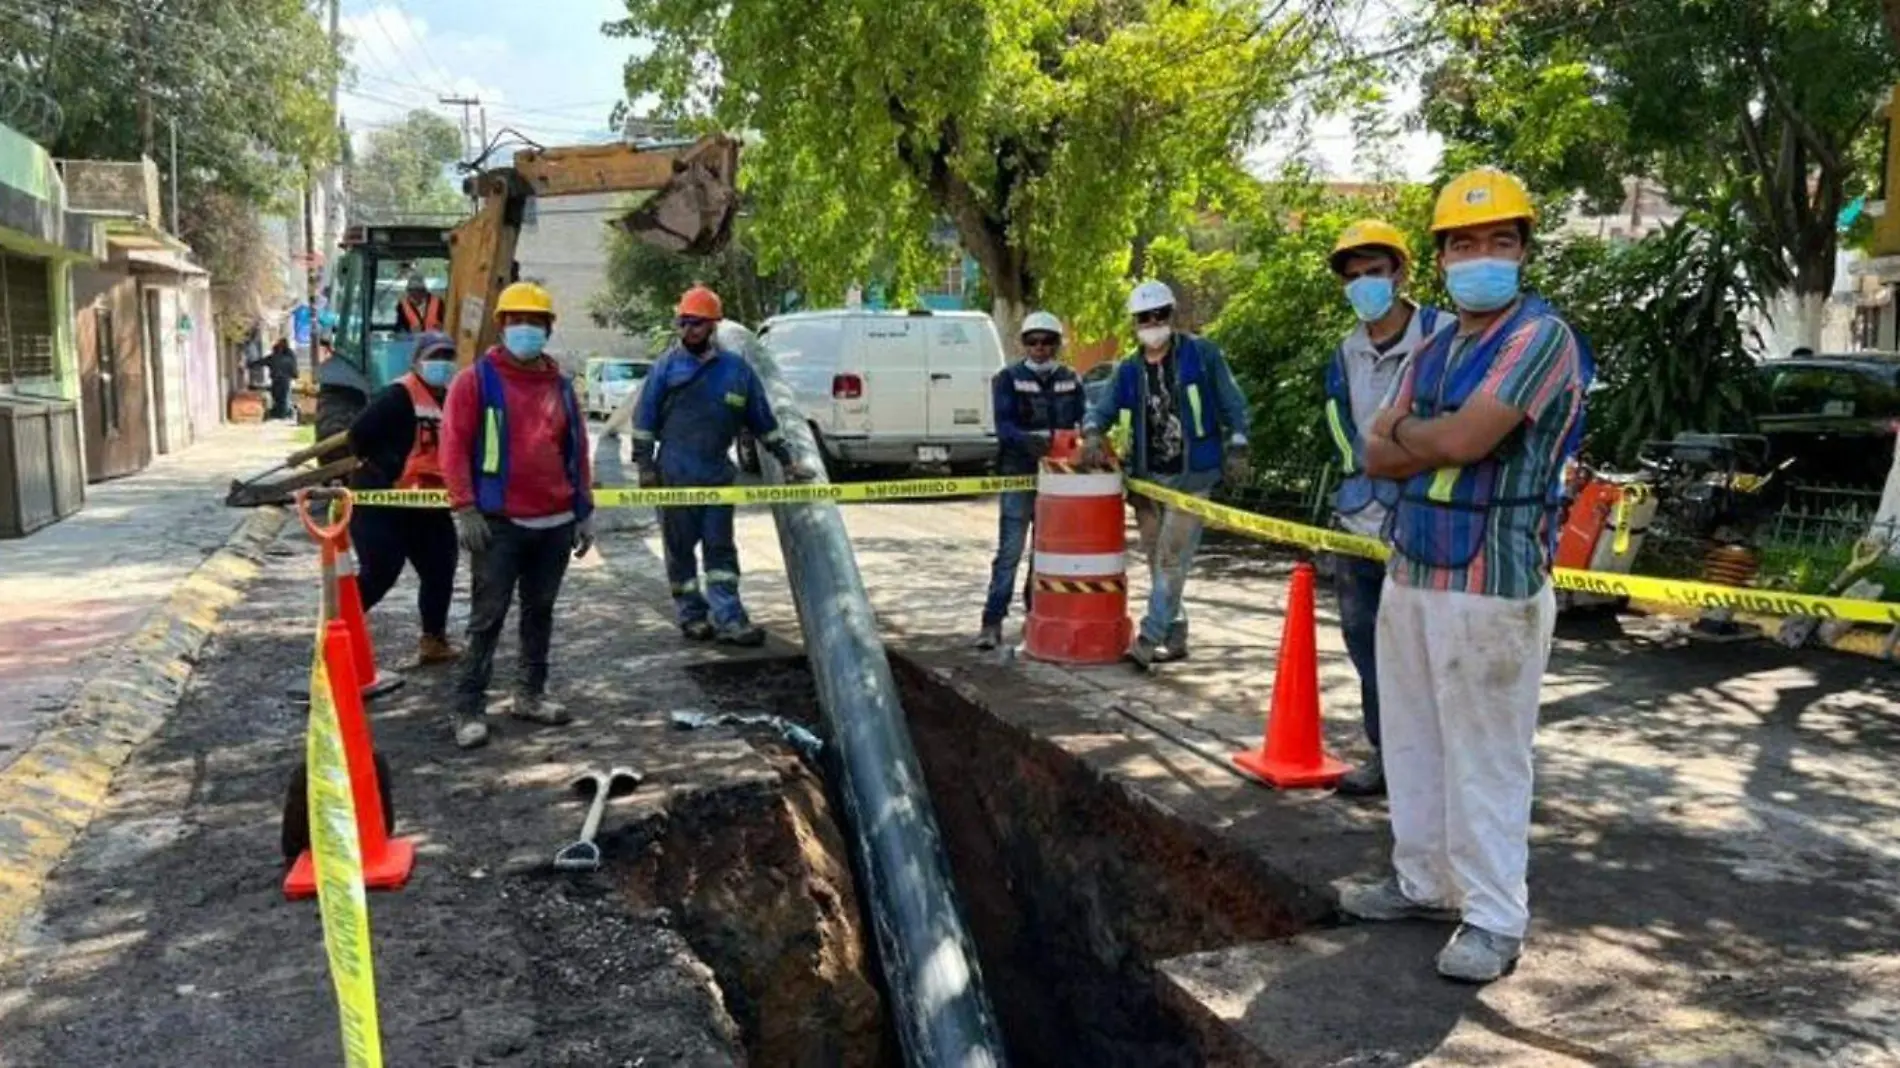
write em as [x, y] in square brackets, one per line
[942, 1012]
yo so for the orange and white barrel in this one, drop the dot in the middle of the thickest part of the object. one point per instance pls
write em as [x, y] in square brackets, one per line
[1079, 613]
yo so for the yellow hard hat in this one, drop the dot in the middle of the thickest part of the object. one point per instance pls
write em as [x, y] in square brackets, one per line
[525, 297]
[1370, 233]
[1486, 195]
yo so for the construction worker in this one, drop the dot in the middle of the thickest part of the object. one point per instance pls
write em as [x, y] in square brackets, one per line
[398, 437]
[419, 310]
[1371, 260]
[514, 455]
[693, 403]
[1176, 402]
[1479, 429]
[1033, 398]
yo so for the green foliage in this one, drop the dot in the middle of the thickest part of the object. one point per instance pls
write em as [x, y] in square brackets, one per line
[1669, 317]
[644, 282]
[1053, 134]
[403, 172]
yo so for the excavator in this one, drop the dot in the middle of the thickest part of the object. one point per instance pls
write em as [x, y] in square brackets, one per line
[691, 211]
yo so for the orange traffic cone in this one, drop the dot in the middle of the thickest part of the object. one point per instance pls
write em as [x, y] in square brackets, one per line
[1291, 756]
[387, 861]
[349, 602]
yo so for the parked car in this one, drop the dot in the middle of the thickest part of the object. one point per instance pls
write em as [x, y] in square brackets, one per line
[1834, 414]
[886, 391]
[609, 381]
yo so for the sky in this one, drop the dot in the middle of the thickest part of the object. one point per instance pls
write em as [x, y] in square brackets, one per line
[545, 69]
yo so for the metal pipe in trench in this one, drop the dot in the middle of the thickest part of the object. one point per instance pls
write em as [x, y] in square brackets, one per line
[942, 1011]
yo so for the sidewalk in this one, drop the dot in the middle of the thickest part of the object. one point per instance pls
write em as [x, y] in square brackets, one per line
[71, 593]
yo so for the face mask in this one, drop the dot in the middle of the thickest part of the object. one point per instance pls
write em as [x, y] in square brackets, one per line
[1370, 297]
[525, 340]
[437, 373]
[1153, 337]
[1482, 285]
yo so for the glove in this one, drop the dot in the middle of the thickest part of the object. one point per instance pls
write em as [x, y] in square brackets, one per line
[1094, 451]
[649, 476]
[1039, 444]
[1237, 467]
[799, 471]
[583, 536]
[471, 531]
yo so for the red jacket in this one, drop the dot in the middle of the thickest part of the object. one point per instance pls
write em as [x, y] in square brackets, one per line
[537, 426]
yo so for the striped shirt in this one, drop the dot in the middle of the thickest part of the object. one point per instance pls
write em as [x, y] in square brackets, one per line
[1538, 371]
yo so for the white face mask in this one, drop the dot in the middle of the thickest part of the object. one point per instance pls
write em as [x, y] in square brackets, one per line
[1153, 337]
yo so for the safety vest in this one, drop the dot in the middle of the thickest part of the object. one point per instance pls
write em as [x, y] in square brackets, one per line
[423, 468]
[491, 444]
[1036, 405]
[1200, 423]
[1359, 491]
[1443, 516]
[416, 322]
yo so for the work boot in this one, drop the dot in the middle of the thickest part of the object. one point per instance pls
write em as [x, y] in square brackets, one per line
[747, 635]
[1366, 780]
[435, 649]
[1175, 647]
[989, 637]
[471, 730]
[1384, 900]
[1145, 653]
[536, 708]
[697, 630]
[1475, 955]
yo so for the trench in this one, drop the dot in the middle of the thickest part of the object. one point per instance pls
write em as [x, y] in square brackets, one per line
[1073, 890]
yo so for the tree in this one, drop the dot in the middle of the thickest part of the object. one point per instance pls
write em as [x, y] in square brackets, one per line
[402, 174]
[1771, 99]
[644, 282]
[1050, 134]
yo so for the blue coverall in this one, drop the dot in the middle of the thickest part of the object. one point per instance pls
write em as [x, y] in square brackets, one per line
[693, 408]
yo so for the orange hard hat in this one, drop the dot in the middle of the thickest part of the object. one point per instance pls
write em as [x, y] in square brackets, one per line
[701, 303]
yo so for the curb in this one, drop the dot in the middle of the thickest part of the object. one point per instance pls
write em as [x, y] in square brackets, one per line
[50, 793]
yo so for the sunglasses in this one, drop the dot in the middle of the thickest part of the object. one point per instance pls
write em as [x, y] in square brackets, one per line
[689, 322]
[1041, 341]
[1159, 315]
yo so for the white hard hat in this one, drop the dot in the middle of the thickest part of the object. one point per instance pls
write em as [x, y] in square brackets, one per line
[1150, 296]
[1041, 322]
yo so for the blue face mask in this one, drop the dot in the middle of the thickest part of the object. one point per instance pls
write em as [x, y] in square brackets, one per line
[1482, 285]
[437, 373]
[525, 340]
[1371, 297]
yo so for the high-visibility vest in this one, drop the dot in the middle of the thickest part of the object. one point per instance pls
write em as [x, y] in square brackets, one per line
[491, 459]
[415, 321]
[1358, 490]
[423, 468]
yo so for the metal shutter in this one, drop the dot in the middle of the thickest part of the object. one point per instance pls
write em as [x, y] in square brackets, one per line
[26, 319]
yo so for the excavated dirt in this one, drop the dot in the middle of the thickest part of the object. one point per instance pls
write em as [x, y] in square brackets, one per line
[1072, 888]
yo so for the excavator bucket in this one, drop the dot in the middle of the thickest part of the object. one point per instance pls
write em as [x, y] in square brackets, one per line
[279, 484]
[693, 213]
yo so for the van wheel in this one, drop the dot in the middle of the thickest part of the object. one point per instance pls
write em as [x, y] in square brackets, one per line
[970, 469]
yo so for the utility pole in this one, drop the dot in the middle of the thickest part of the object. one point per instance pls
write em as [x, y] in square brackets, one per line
[465, 103]
[171, 122]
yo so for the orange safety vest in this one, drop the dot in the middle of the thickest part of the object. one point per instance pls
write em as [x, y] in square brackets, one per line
[423, 468]
[415, 322]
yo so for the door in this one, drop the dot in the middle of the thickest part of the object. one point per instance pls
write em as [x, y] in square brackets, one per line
[892, 352]
[169, 412]
[964, 356]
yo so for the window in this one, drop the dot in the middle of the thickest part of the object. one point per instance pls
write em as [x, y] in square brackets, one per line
[1837, 392]
[110, 412]
[949, 280]
[26, 320]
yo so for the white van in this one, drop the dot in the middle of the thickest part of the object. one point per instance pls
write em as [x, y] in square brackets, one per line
[889, 390]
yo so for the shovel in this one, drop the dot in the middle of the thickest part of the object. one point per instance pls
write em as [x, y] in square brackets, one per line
[595, 787]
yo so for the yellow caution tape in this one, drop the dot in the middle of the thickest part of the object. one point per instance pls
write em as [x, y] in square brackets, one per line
[1701, 595]
[337, 850]
[687, 496]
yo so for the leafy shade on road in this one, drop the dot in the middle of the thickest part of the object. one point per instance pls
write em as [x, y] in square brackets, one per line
[402, 174]
[1055, 136]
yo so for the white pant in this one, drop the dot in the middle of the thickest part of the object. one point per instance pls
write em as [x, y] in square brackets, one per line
[1458, 690]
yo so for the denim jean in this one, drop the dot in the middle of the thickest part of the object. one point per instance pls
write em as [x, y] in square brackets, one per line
[1358, 583]
[1016, 514]
[533, 561]
[1170, 539]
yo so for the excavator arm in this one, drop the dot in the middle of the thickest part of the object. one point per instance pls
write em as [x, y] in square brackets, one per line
[692, 212]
